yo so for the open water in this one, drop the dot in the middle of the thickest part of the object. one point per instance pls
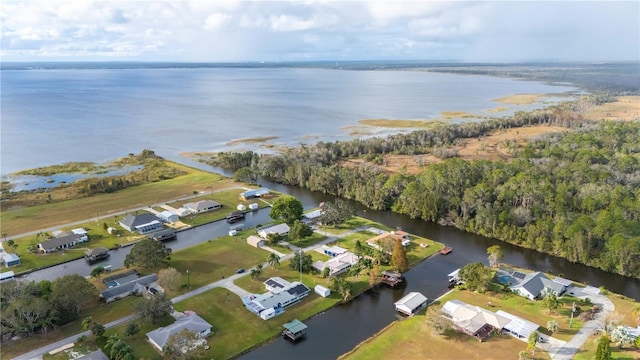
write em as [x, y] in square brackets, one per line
[52, 116]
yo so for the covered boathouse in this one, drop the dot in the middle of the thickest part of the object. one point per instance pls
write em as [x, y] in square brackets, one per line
[294, 330]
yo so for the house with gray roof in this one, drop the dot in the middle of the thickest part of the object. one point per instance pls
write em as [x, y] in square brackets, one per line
[202, 206]
[60, 243]
[191, 322]
[534, 285]
[281, 294]
[142, 224]
[127, 287]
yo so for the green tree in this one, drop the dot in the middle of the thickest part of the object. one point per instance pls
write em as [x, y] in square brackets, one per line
[287, 209]
[336, 212]
[342, 287]
[603, 351]
[553, 326]
[273, 260]
[532, 342]
[256, 272]
[550, 302]
[148, 254]
[299, 231]
[97, 272]
[154, 308]
[375, 275]
[435, 321]
[12, 244]
[132, 329]
[495, 255]
[70, 294]
[399, 257]
[475, 276]
[301, 259]
[274, 238]
[245, 175]
[97, 330]
[326, 271]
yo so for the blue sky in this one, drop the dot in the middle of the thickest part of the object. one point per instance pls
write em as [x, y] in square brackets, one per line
[221, 30]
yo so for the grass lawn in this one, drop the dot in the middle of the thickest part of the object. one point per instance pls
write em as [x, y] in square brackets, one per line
[412, 339]
[310, 240]
[142, 348]
[17, 221]
[524, 308]
[210, 261]
[353, 223]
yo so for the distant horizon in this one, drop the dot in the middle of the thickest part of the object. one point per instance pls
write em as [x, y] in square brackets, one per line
[416, 61]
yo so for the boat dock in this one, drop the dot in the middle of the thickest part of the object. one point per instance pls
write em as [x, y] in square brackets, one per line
[392, 278]
[294, 330]
[446, 250]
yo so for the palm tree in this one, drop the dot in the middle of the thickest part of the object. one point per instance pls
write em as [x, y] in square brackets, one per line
[256, 273]
[274, 259]
[553, 326]
[636, 314]
[86, 323]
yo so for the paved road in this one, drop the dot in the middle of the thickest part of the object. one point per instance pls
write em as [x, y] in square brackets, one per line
[225, 283]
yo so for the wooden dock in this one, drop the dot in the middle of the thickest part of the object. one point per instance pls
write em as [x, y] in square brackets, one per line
[392, 278]
[446, 250]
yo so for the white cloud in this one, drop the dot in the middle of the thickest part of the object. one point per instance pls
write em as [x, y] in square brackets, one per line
[291, 30]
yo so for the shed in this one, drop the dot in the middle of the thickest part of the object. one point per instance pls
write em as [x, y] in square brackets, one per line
[294, 329]
[241, 207]
[411, 303]
[254, 206]
[322, 291]
[169, 216]
[6, 276]
[10, 259]
[255, 241]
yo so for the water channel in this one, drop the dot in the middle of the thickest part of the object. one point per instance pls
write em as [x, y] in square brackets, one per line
[338, 330]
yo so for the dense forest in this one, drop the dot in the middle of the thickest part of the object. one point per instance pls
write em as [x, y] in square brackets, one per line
[573, 194]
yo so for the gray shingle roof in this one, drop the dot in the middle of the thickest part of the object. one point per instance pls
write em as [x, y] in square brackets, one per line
[129, 286]
[131, 221]
[64, 240]
[191, 322]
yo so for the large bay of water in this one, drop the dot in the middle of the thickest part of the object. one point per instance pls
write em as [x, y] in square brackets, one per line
[58, 115]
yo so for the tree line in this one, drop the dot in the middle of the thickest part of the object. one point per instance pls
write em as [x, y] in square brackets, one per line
[572, 194]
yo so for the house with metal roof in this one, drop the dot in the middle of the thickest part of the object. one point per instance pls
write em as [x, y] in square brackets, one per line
[255, 193]
[61, 243]
[142, 224]
[10, 259]
[130, 285]
[337, 264]
[273, 303]
[518, 327]
[533, 285]
[473, 320]
[386, 240]
[280, 229]
[169, 216]
[202, 206]
[411, 303]
[191, 322]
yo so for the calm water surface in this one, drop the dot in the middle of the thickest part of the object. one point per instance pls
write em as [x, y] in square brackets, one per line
[59, 115]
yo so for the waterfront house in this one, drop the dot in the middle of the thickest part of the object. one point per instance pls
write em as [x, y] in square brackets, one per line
[473, 320]
[386, 240]
[280, 229]
[534, 285]
[202, 206]
[517, 327]
[255, 241]
[255, 193]
[191, 322]
[411, 303]
[123, 285]
[337, 264]
[60, 243]
[10, 259]
[280, 295]
[142, 224]
[169, 216]
[312, 217]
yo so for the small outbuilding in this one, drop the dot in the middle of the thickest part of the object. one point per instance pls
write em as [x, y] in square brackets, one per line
[169, 216]
[10, 260]
[322, 291]
[255, 241]
[411, 303]
[294, 330]
[254, 206]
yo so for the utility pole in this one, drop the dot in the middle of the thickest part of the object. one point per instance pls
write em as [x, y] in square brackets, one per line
[573, 309]
[188, 280]
[300, 257]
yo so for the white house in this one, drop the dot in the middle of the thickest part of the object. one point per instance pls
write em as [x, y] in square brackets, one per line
[192, 322]
[143, 223]
[169, 216]
[337, 264]
[280, 229]
[411, 303]
[533, 285]
[280, 295]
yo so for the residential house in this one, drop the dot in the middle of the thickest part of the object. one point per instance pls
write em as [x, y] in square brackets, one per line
[534, 285]
[191, 322]
[337, 264]
[280, 229]
[333, 250]
[202, 206]
[96, 355]
[411, 303]
[312, 217]
[281, 294]
[473, 320]
[255, 241]
[255, 193]
[142, 224]
[169, 217]
[386, 240]
[62, 242]
[10, 259]
[518, 327]
[126, 288]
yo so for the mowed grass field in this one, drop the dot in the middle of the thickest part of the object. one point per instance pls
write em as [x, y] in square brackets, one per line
[18, 221]
[412, 339]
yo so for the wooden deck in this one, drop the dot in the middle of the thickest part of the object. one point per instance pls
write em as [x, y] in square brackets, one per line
[392, 278]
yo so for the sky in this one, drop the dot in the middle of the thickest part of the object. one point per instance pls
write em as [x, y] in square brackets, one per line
[280, 31]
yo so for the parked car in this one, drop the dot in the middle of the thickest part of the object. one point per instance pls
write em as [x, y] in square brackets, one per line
[239, 271]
